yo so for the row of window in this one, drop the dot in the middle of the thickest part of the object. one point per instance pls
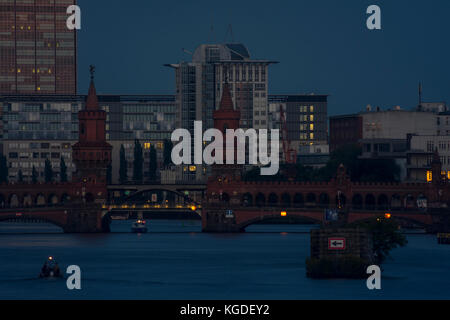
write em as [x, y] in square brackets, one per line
[37, 155]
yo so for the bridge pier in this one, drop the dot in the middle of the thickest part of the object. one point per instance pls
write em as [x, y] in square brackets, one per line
[217, 221]
[85, 219]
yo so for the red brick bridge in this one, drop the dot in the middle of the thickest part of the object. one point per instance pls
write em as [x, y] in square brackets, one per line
[250, 202]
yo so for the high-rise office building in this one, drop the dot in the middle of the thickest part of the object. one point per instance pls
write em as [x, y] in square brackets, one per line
[200, 82]
[38, 52]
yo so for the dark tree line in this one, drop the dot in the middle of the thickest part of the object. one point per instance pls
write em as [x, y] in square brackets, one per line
[359, 170]
[138, 162]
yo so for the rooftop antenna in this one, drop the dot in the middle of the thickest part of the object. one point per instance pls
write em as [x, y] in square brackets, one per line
[230, 30]
[186, 52]
[211, 38]
[420, 95]
[92, 71]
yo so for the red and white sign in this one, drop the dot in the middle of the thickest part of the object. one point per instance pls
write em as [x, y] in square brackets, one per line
[336, 243]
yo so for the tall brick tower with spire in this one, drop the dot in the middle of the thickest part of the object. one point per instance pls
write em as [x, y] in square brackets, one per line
[226, 117]
[92, 154]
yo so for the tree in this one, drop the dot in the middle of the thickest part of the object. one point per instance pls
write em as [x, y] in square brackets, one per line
[20, 176]
[48, 171]
[63, 175]
[3, 169]
[385, 236]
[167, 154]
[137, 163]
[123, 170]
[34, 175]
[109, 174]
[153, 164]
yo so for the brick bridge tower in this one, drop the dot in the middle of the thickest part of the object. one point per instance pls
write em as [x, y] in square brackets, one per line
[92, 154]
[217, 211]
[226, 117]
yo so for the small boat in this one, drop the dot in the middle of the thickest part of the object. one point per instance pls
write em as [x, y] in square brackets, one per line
[139, 226]
[50, 269]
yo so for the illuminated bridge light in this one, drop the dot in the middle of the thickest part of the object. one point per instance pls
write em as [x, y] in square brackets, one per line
[283, 213]
[193, 208]
[387, 215]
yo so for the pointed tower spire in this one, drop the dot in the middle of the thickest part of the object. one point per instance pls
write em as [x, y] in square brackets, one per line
[92, 153]
[92, 100]
[226, 103]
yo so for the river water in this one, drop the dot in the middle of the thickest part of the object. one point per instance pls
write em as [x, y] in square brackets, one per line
[176, 261]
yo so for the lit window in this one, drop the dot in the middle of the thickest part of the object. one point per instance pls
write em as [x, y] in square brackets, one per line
[429, 176]
[192, 168]
[311, 109]
[311, 127]
[311, 136]
[38, 88]
[311, 118]
[147, 145]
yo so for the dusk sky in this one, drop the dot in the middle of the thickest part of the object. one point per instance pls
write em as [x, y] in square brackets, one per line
[323, 46]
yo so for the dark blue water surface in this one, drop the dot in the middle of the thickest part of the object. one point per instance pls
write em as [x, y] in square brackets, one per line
[176, 261]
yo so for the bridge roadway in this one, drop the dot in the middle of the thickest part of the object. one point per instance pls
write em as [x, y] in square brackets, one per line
[170, 187]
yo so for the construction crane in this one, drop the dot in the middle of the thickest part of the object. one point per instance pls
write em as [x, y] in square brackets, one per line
[290, 155]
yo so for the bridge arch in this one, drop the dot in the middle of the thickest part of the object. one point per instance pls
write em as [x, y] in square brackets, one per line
[272, 200]
[286, 200]
[271, 216]
[260, 200]
[324, 200]
[357, 201]
[14, 201]
[383, 202]
[409, 201]
[225, 197]
[247, 200]
[53, 199]
[298, 200]
[2, 201]
[65, 198]
[27, 200]
[310, 199]
[370, 202]
[57, 220]
[396, 202]
[40, 200]
[399, 218]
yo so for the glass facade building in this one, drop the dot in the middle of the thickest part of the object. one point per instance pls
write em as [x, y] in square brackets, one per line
[36, 128]
[38, 52]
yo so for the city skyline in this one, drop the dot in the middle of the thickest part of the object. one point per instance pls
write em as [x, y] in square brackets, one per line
[381, 68]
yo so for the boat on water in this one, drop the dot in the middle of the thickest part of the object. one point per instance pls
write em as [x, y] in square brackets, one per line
[139, 226]
[50, 269]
